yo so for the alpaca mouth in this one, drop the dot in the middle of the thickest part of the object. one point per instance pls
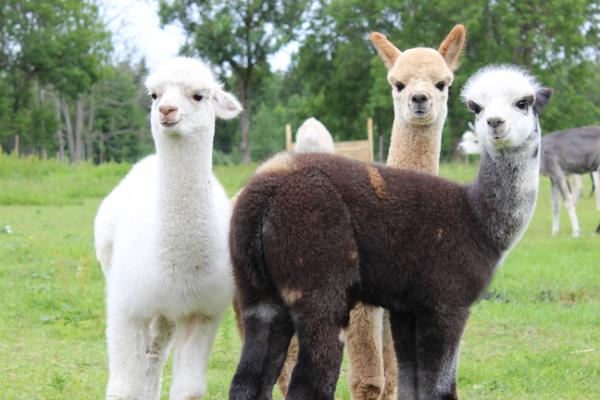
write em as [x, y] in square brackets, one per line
[420, 116]
[169, 123]
[499, 134]
[420, 112]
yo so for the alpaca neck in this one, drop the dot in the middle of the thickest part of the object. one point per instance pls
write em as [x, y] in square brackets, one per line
[504, 194]
[416, 147]
[185, 206]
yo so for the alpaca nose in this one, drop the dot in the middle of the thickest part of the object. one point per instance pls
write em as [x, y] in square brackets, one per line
[419, 98]
[495, 122]
[166, 109]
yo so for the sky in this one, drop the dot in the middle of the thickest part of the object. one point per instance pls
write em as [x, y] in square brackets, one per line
[137, 32]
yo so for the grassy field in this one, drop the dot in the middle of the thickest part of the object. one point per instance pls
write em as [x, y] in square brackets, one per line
[536, 335]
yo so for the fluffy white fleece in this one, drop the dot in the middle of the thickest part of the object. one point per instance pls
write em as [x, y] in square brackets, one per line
[161, 237]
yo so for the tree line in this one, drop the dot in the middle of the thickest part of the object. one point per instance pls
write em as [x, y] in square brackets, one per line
[63, 95]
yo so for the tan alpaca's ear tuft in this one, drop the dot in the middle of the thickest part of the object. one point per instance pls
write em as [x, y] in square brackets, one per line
[386, 50]
[451, 48]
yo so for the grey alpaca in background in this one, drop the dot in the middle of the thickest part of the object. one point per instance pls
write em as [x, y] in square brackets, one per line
[573, 151]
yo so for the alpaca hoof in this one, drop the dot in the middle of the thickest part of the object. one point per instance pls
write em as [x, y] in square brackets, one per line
[575, 234]
[123, 393]
[119, 397]
[369, 392]
[187, 393]
[368, 389]
[390, 394]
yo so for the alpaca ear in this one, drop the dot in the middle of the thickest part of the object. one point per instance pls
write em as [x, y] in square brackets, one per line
[386, 50]
[226, 105]
[541, 99]
[451, 48]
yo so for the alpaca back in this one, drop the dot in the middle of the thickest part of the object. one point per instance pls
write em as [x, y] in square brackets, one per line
[426, 215]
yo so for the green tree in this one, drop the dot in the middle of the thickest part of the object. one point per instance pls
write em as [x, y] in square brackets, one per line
[50, 52]
[120, 127]
[336, 69]
[238, 35]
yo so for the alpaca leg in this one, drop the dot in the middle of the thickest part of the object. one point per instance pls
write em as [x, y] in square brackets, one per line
[577, 187]
[555, 208]
[569, 205]
[288, 366]
[158, 337]
[268, 330]
[193, 341]
[438, 345]
[320, 355]
[292, 353]
[596, 178]
[365, 348]
[126, 357]
[390, 365]
[238, 316]
[403, 327]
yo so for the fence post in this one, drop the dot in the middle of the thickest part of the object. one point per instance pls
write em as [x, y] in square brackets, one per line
[17, 145]
[370, 137]
[380, 148]
[288, 138]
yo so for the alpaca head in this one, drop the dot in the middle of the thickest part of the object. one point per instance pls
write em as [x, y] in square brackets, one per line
[186, 99]
[506, 101]
[469, 143]
[420, 77]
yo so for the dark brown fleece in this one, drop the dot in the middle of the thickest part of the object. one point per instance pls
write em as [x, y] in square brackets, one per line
[310, 240]
[403, 225]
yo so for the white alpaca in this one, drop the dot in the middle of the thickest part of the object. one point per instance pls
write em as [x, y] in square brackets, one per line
[469, 143]
[313, 137]
[162, 239]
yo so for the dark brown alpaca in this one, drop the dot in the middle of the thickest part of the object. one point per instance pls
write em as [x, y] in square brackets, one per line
[314, 234]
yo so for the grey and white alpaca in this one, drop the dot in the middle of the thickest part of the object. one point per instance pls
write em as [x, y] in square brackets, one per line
[421, 246]
[573, 151]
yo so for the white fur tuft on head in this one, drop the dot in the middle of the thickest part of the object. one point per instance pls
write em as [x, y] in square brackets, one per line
[504, 77]
[185, 71]
[506, 101]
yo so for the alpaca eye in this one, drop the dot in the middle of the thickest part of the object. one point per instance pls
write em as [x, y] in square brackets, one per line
[153, 95]
[197, 97]
[440, 85]
[400, 86]
[476, 108]
[521, 104]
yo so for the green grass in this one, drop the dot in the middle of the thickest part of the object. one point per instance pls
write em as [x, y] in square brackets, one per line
[536, 336]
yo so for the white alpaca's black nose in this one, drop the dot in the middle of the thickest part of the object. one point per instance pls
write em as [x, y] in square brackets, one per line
[418, 98]
[495, 122]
